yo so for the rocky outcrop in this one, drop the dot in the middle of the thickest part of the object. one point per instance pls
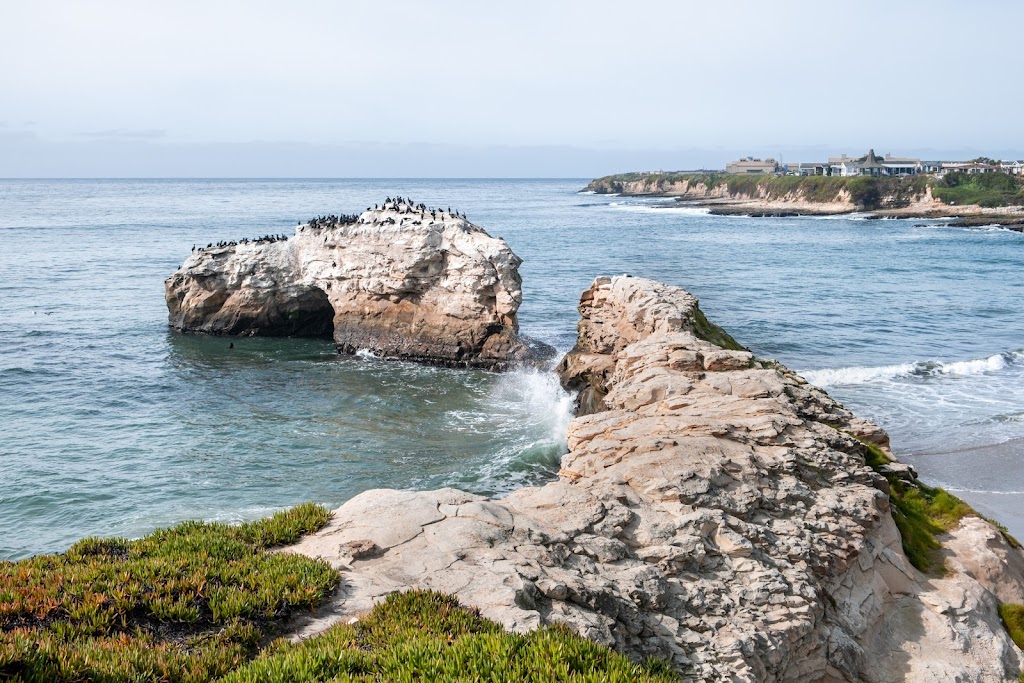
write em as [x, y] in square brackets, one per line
[641, 308]
[398, 281]
[715, 510]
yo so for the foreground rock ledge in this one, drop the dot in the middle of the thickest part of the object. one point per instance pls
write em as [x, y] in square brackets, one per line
[713, 511]
[399, 282]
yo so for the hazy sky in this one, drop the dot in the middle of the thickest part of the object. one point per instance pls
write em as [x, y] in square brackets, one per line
[391, 88]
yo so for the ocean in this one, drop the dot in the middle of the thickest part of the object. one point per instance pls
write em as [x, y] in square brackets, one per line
[110, 424]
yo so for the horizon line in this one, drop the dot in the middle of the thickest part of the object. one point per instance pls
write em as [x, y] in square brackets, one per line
[2, 178]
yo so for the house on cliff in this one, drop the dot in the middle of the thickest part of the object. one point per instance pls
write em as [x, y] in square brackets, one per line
[752, 166]
[874, 166]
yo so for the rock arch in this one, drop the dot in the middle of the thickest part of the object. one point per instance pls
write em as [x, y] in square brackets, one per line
[442, 292]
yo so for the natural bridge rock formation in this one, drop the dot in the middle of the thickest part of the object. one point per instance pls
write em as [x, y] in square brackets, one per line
[714, 509]
[396, 281]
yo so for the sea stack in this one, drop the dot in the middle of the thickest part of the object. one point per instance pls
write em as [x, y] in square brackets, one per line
[400, 281]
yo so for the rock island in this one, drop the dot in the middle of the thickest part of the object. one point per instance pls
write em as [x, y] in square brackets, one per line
[400, 281]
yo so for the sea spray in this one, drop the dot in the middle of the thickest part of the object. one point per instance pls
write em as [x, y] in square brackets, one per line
[527, 412]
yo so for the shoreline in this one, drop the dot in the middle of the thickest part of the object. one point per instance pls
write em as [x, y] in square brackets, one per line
[973, 203]
[768, 209]
[988, 497]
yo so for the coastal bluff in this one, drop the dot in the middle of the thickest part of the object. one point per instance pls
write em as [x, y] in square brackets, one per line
[400, 281]
[975, 200]
[713, 509]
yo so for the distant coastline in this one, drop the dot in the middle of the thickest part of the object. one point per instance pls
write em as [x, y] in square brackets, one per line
[971, 200]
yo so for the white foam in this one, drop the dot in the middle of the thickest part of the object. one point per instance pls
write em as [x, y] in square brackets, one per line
[983, 229]
[366, 354]
[528, 409]
[830, 377]
[853, 216]
[952, 489]
[972, 367]
[642, 208]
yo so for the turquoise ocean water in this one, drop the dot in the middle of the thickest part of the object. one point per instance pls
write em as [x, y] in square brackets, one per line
[112, 425]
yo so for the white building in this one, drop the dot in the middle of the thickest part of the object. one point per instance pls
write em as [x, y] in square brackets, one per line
[1012, 167]
[809, 168]
[872, 165]
[752, 166]
[969, 167]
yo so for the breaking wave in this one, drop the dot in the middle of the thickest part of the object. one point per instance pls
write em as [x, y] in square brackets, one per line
[830, 377]
[529, 412]
[662, 208]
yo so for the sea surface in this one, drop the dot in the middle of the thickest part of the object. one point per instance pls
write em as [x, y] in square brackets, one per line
[110, 424]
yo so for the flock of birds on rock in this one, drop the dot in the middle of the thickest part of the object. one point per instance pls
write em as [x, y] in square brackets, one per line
[333, 221]
[266, 239]
[401, 205]
[405, 206]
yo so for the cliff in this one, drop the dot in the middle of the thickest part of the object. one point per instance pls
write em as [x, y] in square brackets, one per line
[997, 196]
[714, 509]
[823, 194]
[400, 281]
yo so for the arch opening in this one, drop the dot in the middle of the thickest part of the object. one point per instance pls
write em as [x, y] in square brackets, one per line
[309, 314]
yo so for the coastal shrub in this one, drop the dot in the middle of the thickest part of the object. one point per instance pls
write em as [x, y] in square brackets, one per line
[426, 636]
[984, 189]
[1012, 616]
[187, 603]
[865, 192]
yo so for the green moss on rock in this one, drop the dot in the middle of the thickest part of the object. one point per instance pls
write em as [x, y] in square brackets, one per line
[710, 332]
[921, 512]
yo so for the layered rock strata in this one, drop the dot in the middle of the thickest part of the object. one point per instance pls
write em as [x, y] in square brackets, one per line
[714, 509]
[399, 281]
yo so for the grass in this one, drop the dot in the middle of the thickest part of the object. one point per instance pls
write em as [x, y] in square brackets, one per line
[426, 636]
[183, 604]
[1013, 619]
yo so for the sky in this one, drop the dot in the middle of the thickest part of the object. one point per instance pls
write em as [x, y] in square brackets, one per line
[393, 88]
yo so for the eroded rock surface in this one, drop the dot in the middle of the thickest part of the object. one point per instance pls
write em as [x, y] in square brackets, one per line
[713, 510]
[397, 281]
